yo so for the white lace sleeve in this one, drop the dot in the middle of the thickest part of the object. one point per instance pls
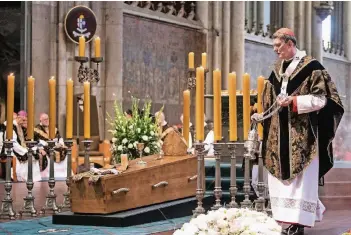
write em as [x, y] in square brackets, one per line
[310, 103]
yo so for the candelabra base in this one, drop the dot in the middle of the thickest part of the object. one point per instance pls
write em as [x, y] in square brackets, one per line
[66, 201]
[28, 207]
[259, 204]
[7, 209]
[50, 204]
[66, 196]
[7, 206]
[246, 203]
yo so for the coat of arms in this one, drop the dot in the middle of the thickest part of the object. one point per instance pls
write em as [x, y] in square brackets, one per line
[80, 21]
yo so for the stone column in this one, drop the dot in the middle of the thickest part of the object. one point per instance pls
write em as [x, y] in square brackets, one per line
[320, 12]
[62, 66]
[288, 14]
[333, 25]
[205, 13]
[248, 14]
[41, 54]
[254, 17]
[273, 16]
[341, 23]
[225, 44]
[217, 42]
[26, 34]
[347, 29]
[99, 89]
[316, 42]
[337, 23]
[308, 27]
[237, 48]
[114, 58]
[260, 16]
[300, 27]
[280, 14]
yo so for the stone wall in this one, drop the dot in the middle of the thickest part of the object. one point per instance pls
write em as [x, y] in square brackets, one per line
[10, 42]
[340, 73]
[259, 57]
[155, 62]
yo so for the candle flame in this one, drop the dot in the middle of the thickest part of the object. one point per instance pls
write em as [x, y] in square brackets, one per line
[52, 77]
[11, 74]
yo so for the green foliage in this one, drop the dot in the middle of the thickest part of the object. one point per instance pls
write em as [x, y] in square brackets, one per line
[128, 131]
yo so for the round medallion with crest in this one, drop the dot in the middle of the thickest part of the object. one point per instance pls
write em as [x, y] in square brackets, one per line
[80, 21]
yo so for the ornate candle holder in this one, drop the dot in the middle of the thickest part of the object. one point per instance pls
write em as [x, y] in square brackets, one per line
[66, 196]
[140, 147]
[260, 201]
[247, 157]
[29, 199]
[217, 147]
[87, 144]
[7, 206]
[88, 74]
[50, 203]
[192, 78]
[199, 151]
[233, 188]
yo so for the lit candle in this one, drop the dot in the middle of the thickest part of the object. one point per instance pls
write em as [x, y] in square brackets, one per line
[217, 104]
[30, 108]
[260, 84]
[69, 109]
[186, 115]
[52, 107]
[200, 103]
[246, 105]
[233, 133]
[82, 46]
[191, 60]
[87, 110]
[204, 60]
[97, 47]
[10, 105]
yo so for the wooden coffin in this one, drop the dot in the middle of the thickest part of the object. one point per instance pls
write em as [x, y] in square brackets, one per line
[159, 181]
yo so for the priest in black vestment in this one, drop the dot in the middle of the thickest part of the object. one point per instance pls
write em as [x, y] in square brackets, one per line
[297, 140]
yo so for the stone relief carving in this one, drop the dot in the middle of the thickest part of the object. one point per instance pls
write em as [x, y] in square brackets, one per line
[155, 61]
[183, 9]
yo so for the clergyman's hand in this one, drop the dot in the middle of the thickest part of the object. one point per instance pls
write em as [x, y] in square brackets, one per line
[257, 117]
[284, 101]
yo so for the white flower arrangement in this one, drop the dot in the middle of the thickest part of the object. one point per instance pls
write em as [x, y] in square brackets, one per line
[231, 221]
[128, 131]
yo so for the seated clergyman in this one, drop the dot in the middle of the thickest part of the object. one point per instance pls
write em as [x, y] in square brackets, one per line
[41, 134]
[173, 142]
[20, 150]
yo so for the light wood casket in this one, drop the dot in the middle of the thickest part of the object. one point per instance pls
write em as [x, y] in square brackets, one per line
[159, 181]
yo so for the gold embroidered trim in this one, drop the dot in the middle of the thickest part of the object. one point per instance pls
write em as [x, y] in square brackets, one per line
[302, 64]
[42, 133]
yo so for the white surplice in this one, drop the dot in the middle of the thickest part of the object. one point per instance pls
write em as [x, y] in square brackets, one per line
[209, 140]
[297, 202]
[60, 168]
[22, 167]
